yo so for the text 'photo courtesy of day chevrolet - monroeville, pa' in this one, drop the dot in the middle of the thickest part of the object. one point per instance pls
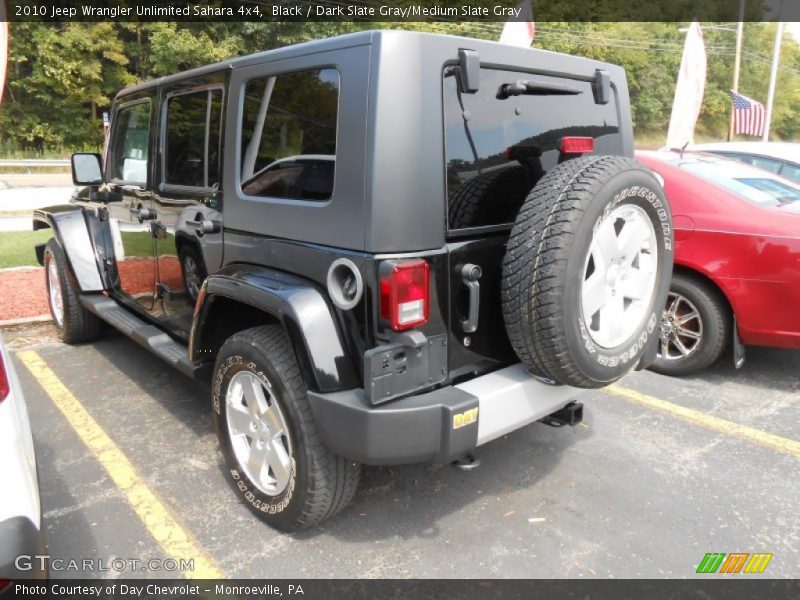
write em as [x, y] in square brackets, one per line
[365, 299]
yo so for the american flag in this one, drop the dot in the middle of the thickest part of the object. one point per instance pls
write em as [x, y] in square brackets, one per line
[748, 115]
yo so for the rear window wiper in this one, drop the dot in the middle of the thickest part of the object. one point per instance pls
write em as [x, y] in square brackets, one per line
[534, 88]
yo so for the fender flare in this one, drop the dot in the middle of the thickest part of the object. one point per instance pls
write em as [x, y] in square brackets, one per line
[294, 302]
[71, 230]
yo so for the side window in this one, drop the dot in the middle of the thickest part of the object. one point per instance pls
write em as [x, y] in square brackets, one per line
[746, 158]
[131, 144]
[289, 135]
[791, 171]
[773, 166]
[191, 149]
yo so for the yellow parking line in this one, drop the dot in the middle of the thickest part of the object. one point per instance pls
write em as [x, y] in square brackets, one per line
[776, 442]
[173, 538]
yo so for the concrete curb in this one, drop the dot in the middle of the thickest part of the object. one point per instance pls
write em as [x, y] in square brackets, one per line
[25, 321]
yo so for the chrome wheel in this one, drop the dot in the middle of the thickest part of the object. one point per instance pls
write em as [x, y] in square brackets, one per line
[54, 291]
[191, 277]
[619, 275]
[258, 433]
[681, 328]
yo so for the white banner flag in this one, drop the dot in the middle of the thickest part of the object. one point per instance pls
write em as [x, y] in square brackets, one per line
[3, 47]
[520, 31]
[689, 90]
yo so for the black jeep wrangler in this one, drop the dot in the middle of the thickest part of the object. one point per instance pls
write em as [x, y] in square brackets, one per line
[383, 248]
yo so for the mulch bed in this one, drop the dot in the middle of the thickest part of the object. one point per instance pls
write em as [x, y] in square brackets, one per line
[23, 294]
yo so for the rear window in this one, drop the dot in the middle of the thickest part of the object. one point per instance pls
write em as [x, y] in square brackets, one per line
[765, 191]
[497, 149]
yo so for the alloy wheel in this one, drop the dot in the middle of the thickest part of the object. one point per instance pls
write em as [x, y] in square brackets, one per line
[54, 291]
[619, 275]
[681, 328]
[258, 432]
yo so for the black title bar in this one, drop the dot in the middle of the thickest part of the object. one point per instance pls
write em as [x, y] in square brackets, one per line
[716, 588]
[397, 10]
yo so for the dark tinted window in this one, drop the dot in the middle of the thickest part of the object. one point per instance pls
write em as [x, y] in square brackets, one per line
[497, 149]
[131, 143]
[289, 135]
[191, 120]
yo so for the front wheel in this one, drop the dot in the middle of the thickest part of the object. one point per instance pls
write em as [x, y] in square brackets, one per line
[72, 321]
[695, 327]
[277, 462]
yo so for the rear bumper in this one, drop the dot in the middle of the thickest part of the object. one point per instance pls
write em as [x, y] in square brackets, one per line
[441, 425]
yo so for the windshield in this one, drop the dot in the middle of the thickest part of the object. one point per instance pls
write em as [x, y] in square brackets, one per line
[759, 189]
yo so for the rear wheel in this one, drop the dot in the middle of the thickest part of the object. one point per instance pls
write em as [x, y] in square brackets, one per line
[587, 270]
[696, 327]
[72, 321]
[277, 462]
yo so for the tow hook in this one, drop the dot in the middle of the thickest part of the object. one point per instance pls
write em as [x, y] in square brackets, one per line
[571, 414]
[467, 463]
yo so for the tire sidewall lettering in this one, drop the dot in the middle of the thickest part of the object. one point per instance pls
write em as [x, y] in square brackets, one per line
[631, 350]
[257, 499]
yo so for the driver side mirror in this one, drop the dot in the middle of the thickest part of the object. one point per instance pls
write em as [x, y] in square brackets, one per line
[86, 169]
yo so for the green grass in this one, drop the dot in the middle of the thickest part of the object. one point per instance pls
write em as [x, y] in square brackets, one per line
[16, 247]
[141, 244]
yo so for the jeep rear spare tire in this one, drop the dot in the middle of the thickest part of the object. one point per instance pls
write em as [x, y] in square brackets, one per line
[587, 270]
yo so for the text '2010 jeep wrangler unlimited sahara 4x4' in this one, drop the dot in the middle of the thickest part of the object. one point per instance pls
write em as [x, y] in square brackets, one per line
[382, 248]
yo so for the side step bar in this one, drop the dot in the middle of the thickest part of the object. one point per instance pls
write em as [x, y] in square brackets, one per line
[144, 334]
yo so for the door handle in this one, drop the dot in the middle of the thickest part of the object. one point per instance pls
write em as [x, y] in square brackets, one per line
[204, 226]
[143, 214]
[470, 274]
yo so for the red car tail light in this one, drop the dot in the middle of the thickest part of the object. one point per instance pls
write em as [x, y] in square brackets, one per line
[576, 145]
[405, 293]
[4, 383]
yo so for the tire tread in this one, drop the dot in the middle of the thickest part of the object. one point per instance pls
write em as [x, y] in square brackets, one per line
[538, 249]
[333, 480]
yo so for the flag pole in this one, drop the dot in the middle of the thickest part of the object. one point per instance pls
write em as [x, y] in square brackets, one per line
[737, 61]
[776, 56]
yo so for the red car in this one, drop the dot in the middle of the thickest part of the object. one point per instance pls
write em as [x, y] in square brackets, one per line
[737, 260]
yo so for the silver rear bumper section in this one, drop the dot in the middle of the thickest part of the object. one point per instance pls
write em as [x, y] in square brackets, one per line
[510, 398]
[440, 425]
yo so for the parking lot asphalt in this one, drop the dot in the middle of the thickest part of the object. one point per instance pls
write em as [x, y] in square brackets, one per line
[642, 489]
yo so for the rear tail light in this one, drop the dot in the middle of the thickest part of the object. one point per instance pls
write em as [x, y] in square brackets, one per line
[576, 145]
[405, 293]
[4, 383]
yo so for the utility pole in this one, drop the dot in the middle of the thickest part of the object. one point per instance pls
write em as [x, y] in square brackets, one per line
[737, 61]
[776, 56]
